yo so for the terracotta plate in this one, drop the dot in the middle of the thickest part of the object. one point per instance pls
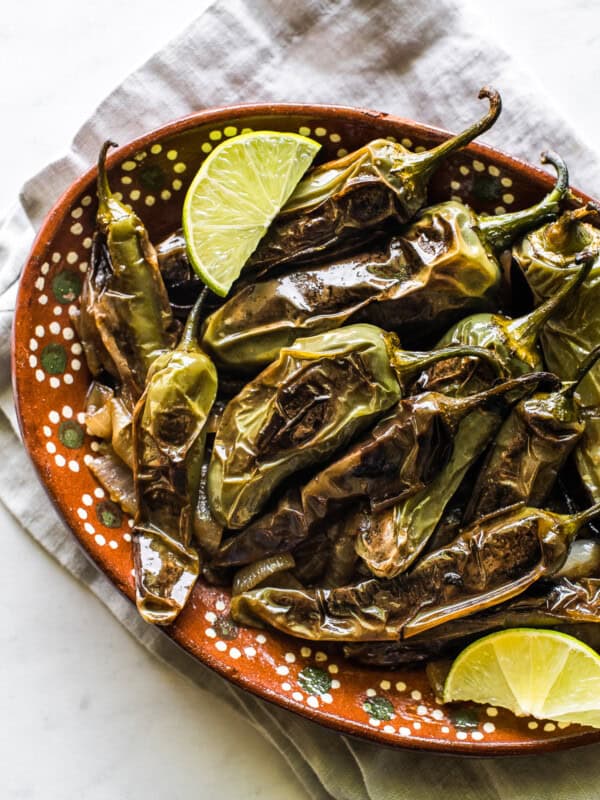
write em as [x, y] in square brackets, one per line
[152, 173]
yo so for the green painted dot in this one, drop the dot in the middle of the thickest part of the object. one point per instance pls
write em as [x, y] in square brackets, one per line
[379, 708]
[485, 187]
[71, 434]
[66, 286]
[465, 717]
[230, 130]
[54, 359]
[226, 628]
[152, 177]
[314, 680]
[215, 135]
[303, 130]
[206, 147]
[109, 514]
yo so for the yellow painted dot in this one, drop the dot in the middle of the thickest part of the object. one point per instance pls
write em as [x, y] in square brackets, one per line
[140, 156]
[135, 194]
[165, 194]
[304, 131]
[172, 155]
[406, 142]
[149, 199]
[77, 212]
[215, 135]
[455, 185]
[342, 152]
[230, 130]
[156, 148]
[118, 196]
[500, 210]
[464, 170]
[177, 184]
[126, 179]
[179, 167]
[391, 139]
[246, 130]
[320, 131]
[478, 166]
[493, 170]
[128, 166]
[206, 147]
[549, 727]
[420, 149]
[334, 137]
[506, 182]
[508, 198]
[85, 201]
[532, 725]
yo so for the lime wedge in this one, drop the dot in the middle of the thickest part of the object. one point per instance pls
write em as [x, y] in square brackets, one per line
[237, 192]
[541, 673]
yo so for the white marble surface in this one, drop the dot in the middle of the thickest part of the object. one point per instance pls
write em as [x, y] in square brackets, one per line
[74, 687]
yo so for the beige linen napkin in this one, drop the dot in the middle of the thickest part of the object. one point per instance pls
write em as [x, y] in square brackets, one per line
[419, 60]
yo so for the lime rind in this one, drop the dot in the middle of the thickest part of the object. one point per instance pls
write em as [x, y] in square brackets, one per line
[235, 195]
[543, 673]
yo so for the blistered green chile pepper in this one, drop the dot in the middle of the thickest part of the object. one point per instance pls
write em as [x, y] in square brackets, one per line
[571, 605]
[339, 203]
[125, 318]
[490, 562]
[531, 447]
[442, 267]
[412, 522]
[169, 438]
[307, 404]
[399, 457]
[548, 257]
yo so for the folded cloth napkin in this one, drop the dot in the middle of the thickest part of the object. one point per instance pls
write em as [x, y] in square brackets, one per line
[419, 60]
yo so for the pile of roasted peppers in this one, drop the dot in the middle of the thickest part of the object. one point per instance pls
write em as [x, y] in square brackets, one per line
[285, 443]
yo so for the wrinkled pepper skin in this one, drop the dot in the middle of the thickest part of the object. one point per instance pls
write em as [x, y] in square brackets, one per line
[547, 258]
[169, 438]
[125, 318]
[492, 561]
[571, 606]
[441, 268]
[414, 520]
[309, 403]
[400, 456]
[338, 203]
[529, 450]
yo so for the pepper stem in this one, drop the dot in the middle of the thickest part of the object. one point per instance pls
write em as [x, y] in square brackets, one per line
[104, 192]
[427, 161]
[500, 230]
[531, 379]
[525, 330]
[576, 521]
[586, 365]
[190, 332]
[407, 363]
[562, 235]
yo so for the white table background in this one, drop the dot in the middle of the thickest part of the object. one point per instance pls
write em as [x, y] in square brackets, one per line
[85, 712]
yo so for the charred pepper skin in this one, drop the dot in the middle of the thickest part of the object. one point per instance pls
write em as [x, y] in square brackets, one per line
[169, 437]
[400, 456]
[125, 319]
[339, 202]
[442, 267]
[547, 257]
[530, 449]
[490, 562]
[308, 404]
